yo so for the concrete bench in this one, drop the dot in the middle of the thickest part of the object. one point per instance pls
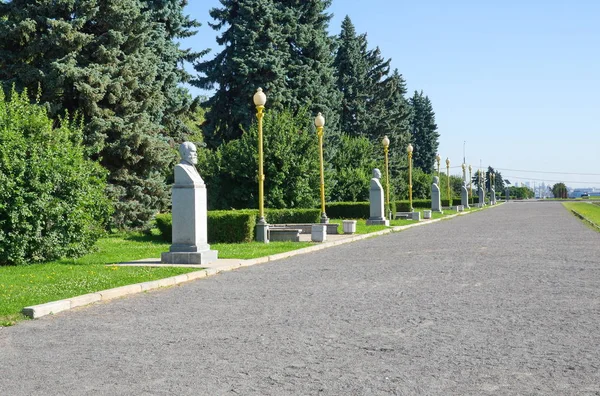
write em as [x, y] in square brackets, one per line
[306, 228]
[279, 234]
[408, 215]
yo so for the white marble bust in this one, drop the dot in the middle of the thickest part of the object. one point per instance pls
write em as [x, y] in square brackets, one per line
[185, 171]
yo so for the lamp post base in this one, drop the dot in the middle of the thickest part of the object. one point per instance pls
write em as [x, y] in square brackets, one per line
[324, 219]
[262, 231]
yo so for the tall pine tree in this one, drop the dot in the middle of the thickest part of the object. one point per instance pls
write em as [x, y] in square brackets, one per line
[279, 45]
[117, 63]
[424, 132]
[373, 102]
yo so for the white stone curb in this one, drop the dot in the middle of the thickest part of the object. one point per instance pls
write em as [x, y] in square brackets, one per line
[50, 308]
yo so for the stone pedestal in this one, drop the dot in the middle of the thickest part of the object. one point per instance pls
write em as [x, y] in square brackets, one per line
[324, 219]
[492, 197]
[507, 194]
[464, 196]
[436, 199]
[376, 214]
[349, 226]
[481, 195]
[318, 233]
[189, 243]
[262, 232]
[427, 214]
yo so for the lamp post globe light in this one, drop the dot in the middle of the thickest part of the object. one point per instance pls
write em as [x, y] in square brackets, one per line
[260, 99]
[438, 159]
[320, 124]
[386, 145]
[409, 150]
[448, 177]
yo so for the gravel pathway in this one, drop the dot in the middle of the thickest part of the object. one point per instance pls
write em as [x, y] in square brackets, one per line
[500, 302]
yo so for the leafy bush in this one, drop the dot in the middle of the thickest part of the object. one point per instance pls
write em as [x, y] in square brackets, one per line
[348, 210]
[164, 223]
[287, 216]
[291, 165]
[236, 226]
[231, 226]
[352, 169]
[52, 199]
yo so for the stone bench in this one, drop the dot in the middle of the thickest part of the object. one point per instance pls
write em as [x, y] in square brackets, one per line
[280, 234]
[408, 215]
[332, 228]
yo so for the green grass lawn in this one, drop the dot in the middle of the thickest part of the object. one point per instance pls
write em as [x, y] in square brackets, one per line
[40, 283]
[587, 210]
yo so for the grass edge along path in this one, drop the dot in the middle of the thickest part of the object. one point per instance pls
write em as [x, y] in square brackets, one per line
[587, 212]
[66, 278]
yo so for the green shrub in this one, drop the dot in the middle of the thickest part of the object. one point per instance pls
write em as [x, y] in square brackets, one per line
[236, 226]
[52, 199]
[231, 226]
[403, 206]
[287, 216]
[348, 210]
[164, 223]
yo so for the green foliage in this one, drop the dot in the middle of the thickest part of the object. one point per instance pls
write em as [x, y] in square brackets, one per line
[421, 183]
[521, 192]
[52, 201]
[231, 226]
[164, 223]
[352, 167]
[236, 226]
[291, 165]
[559, 190]
[373, 103]
[424, 132]
[348, 210]
[287, 216]
[119, 64]
[282, 46]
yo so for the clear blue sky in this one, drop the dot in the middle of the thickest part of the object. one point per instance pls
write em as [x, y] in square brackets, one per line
[517, 80]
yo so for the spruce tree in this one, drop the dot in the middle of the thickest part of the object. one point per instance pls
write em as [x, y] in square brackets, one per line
[280, 46]
[373, 102]
[351, 79]
[424, 132]
[116, 62]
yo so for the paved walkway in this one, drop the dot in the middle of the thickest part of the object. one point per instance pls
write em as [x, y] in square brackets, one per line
[504, 301]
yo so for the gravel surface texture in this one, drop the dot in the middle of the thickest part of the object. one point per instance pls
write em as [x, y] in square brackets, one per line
[505, 301]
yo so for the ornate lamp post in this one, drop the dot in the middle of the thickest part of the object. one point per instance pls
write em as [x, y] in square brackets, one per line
[471, 183]
[320, 124]
[448, 177]
[386, 146]
[261, 227]
[409, 150]
[438, 159]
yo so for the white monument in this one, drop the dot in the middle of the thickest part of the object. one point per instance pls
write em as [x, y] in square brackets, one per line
[377, 215]
[436, 198]
[190, 242]
[464, 196]
[481, 194]
[492, 196]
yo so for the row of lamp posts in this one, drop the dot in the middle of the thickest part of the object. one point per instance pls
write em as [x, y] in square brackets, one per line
[261, 227]
[259, 101]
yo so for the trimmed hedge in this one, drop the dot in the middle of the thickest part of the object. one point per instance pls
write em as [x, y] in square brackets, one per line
[165, 226]
[348, 210]
[237, 226]
[231, 226]
[288, 216]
